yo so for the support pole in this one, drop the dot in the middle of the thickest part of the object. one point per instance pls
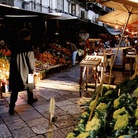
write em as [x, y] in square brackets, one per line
[118, 48]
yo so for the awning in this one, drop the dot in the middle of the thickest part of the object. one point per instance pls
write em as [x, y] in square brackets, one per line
[113, 31]
[60, 16]
[11, 11]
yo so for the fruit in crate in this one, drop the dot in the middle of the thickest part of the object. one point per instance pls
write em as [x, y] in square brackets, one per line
[66, 51]
[5, 52]
[4, 68]
[38, 64]
[4, 64]
[62, 61]
[46, 58]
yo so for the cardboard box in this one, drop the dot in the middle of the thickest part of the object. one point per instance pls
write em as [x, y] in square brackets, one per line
[37, 78]
[42, 75]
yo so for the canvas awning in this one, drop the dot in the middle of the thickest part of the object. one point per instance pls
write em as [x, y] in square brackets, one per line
[118, 17]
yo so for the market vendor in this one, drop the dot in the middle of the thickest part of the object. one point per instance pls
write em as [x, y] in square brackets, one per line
[73, 49]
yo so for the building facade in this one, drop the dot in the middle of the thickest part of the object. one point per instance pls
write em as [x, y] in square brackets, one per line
[82, 10]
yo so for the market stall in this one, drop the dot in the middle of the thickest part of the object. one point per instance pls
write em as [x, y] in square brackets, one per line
[4, 68]
[49, 61]
[113, 114]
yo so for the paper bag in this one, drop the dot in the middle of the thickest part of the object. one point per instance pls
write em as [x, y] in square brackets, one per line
[30, 78]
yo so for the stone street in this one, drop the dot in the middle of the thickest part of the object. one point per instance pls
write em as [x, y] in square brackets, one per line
[32, 121]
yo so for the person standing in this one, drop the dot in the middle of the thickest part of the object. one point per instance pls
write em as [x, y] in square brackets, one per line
[22, 63]
[72, 47]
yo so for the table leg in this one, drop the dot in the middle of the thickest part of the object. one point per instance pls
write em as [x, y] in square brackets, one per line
[80, 80]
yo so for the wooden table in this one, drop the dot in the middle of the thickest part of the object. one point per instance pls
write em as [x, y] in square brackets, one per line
[97, 63]
[89, 62]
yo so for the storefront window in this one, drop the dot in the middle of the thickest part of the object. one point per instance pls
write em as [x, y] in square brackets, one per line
[73, 9]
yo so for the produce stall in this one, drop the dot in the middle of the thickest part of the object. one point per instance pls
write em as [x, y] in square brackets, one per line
[49, 61]
[114, 114]
[52, 60]
[4, 70]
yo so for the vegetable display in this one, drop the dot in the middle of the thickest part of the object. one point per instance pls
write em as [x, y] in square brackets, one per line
[115, 114]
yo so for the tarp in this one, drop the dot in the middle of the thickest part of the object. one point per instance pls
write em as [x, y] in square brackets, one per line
[113, 31]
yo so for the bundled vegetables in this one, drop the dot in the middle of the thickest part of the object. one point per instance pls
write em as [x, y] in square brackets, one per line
[115, 114]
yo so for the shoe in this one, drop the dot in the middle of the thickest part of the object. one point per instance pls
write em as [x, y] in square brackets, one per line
[11, 111]
[32, 101]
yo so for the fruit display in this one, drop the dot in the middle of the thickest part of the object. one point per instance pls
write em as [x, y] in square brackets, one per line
[64, 50]
[5, 52]
[44, 60]
[4, 68]
[111, 113]
[47, 58]
[52, 57]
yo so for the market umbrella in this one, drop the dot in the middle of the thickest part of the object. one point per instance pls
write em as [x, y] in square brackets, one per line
[132, 3]
[126, 13]
[123, 14]
[119, 18]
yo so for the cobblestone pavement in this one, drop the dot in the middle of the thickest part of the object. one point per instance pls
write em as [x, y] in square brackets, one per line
[32, 121]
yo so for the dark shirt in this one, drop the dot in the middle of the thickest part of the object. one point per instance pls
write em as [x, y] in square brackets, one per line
[73, 47]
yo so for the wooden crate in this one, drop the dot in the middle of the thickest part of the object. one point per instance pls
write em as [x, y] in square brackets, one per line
[42, 75]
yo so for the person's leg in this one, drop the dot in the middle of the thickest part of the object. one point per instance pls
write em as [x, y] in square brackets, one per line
[31, 98]
[74, 54]
[13, 99]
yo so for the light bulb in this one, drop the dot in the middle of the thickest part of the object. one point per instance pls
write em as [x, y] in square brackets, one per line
[116, 27]
[127, 29]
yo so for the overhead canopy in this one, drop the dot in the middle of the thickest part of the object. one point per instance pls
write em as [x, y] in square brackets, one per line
[118, 18]
[122, 6]
[113, 31]
[133, 3]
[10, 11]
[126, 13]
[60, 16]
[123, 14]
[134, 24]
